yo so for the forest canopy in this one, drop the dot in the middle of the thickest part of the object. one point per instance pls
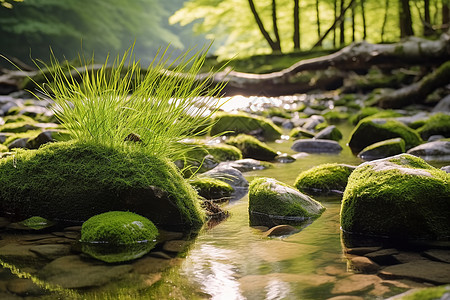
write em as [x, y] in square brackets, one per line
[239, 28]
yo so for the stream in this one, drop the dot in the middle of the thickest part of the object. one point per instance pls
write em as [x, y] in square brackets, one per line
[228, 261]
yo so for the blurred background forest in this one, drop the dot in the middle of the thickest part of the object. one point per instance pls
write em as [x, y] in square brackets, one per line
[239, 28]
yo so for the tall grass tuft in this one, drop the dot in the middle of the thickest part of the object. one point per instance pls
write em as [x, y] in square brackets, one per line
[124, 105]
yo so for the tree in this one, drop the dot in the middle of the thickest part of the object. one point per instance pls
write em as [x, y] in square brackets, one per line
[274, 44]
[296, 18]
[71, 26]
[405, 19]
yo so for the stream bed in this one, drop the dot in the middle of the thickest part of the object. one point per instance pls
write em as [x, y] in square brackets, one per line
[229, 260]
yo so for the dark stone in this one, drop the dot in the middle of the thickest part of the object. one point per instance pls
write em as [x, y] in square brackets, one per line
[316, 146]
[422, 270]
[384, 257]
[19, 143]
[432, 150]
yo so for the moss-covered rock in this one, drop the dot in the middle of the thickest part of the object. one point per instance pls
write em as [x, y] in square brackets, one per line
[398, 197]
[324, 179]
[118, 228]
[370, 131]
[272, 202]
[383, 149]
[36, 223]
[438, 124]
[363, 113]
[3, 148]
[73, 181]
[329, 133]
[298, 132]
[251, 147]
[335, 116]
[118, 236]
[17, 127]
[211, 188]
[244, 123]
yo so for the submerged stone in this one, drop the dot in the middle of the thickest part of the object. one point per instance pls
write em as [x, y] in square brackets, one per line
[370, 131]
[383, 149]
[397, 197]
[272, 203]
[72, 181]
[316, 146]
[329, 133]
[324, 179]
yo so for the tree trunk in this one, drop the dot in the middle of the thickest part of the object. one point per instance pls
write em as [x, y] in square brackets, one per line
[273, 45]
[417, 92]
[337, 21]
[296, 36]
[355, 57]
[342, 25]
[427, 26]
[445, 14]
[383, 27]
[405, 19]
[275, 26]
[318, 21]
[363, 15]
[353, 23]
[333, 27]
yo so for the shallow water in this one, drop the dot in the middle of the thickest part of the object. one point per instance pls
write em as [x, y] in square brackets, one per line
[229, 261]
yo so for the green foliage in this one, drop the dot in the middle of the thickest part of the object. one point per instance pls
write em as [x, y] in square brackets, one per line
[430, 293]
[325, 178]
[88, 25]
[121, 106]
[36, 223]
[118, 228]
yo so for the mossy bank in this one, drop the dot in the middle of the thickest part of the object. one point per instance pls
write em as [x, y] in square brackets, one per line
[73, 181]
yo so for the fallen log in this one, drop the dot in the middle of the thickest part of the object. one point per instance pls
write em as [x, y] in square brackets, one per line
[355, 57]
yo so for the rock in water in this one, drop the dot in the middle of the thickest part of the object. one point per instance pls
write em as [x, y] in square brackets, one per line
[73, 181]
[316, 146]
[383, 149]
[370, 131]
[398, 197]
[272, 203]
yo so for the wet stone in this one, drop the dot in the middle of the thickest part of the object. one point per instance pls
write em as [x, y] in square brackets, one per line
[51, 251]
[361, 250]
[149, 265]
[74, 272]
[7, 296]
[284, 158]
[169, 235]
[439, 255]
[355, 283]
[280, 230]
[423, 270]
[364, 265]
[384, 257]
[175, 246]
[24, 287]
[406, 257]
[160, 254]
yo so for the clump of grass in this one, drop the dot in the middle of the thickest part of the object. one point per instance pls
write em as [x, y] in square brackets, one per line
[122, 105]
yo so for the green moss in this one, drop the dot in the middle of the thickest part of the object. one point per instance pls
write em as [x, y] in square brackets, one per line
[276, 112]
[335, 116]
[301, 133]
[431, 293]
[363, 113]
[321, 126]
[251, 147]
[118, 228]
[211, 188]
[223, 152]
[3, 148]
[27, 134]
[17, 127]
[436, 124]
[244, 123]
[324, 178]
[270, 196]
[18, 118]
[400, 197]
[370, 131]
[383, 149]
[74, 181]
[36, 223]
